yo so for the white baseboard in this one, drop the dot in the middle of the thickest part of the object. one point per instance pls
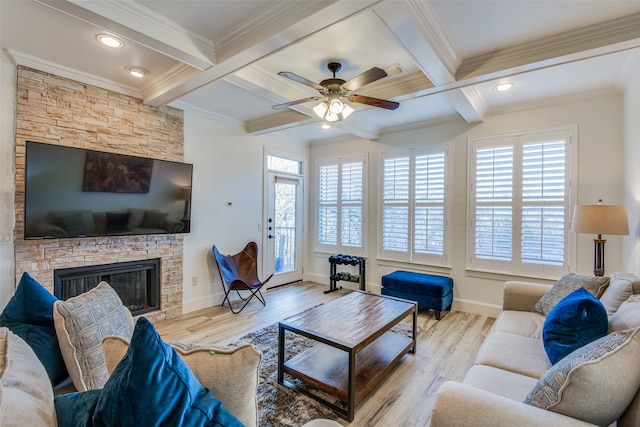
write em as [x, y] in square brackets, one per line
[199, 303]
[482, 308]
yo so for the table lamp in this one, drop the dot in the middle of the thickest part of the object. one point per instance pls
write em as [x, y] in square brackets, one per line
[600, 219]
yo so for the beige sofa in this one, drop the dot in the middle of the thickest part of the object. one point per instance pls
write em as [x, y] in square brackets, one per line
[512, 362]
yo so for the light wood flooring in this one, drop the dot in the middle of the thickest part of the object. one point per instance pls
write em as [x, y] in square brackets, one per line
[445, 349]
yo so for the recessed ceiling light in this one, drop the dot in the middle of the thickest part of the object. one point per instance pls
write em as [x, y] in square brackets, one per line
[326, 126]
[136, 71]
[109, 40]
[504, 87]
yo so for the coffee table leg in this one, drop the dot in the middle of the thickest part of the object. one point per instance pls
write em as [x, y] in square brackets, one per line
[352, 386]
[280, 354]
[415, 328]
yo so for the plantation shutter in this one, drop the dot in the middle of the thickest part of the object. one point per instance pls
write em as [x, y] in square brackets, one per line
[395, 211]
[328, 204]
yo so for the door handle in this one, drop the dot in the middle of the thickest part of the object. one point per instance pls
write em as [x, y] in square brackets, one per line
[270, 236]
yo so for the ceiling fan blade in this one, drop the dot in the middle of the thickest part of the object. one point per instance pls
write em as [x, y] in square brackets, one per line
[299, 101]
[374, 102]
[297, 78]
[365, 78]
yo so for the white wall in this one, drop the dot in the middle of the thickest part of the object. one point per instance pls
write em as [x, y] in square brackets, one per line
[8, 79]
[600, 175]
[632, 169]
[228, 166]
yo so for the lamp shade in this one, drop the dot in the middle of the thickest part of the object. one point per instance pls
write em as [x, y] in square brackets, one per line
[600, 219]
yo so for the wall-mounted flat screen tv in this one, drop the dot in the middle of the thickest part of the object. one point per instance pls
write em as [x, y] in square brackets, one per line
[73, 192]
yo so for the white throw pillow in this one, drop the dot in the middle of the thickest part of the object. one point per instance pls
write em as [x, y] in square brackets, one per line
[230, 374]
[81, 323]
[26, 396]
[627, 316]
[595, 383]
[621, 287]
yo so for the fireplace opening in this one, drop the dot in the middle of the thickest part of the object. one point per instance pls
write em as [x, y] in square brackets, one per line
[136, 282]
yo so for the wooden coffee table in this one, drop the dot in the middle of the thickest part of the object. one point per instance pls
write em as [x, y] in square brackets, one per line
[355, 347]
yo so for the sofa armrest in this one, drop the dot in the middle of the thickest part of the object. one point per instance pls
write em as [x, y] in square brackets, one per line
[522, 296]
[50, 230]
[173, 225]
[459, 404]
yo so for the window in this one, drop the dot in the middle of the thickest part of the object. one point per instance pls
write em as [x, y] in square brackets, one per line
[415, 205]
[341, 202]
[520, 203]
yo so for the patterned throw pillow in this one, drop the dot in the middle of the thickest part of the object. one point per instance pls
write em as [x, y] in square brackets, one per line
[153, 220]
[566, 285]
[117, 222]
[595, 383]
[81, 323]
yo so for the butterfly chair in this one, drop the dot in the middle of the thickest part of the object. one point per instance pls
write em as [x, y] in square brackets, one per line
[239, 272]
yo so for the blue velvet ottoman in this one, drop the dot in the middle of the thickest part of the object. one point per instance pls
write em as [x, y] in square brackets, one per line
[431, 292]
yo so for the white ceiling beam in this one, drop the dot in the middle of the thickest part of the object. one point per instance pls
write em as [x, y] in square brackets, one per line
[292, 24]
[136, 23]
[422, 35]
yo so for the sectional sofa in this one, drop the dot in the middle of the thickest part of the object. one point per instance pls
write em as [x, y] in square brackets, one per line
[595, 381]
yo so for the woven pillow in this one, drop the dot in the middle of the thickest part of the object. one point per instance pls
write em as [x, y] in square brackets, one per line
[81, 323]
[230, 374]
[595, 383]
[567, 284]
[26, 395]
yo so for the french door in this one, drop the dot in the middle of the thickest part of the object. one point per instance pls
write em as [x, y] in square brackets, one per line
[283, 228]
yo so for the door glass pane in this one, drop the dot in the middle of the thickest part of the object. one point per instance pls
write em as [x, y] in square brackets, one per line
[285, 227]
[283, 165]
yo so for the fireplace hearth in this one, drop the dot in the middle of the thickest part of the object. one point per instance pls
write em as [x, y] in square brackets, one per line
[136, 282]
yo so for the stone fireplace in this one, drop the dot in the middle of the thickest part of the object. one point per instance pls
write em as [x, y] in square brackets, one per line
[57, 110]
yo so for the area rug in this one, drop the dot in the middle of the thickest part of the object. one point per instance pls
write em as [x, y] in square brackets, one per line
[279, 406]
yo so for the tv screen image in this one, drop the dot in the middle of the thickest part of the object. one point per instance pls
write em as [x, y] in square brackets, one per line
[73, 192]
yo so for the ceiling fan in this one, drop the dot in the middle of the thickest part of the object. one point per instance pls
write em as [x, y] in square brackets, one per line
[336, 90]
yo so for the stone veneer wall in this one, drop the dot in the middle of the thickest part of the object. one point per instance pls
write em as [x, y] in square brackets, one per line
[56, 110]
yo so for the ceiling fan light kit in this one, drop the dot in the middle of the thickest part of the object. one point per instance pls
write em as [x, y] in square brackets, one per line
[334, 109]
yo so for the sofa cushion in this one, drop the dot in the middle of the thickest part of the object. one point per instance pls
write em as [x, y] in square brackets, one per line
[230, 374]
[595, 383]
[627, 316]
[29, 314]
[26, 395]
[73, 224]
[81, 323]
[577, 320]
[514, 353]
[152, 386]
[500, 382]
[523, 323]
[621, 287]
[567, 284]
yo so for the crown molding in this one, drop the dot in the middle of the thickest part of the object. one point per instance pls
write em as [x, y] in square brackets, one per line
[141, 25]
[551, 102]
[265, 24]
[602, 38]
[72, 74]
[206, 114]
[175, 75]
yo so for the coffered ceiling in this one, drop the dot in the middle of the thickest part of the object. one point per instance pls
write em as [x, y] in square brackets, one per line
[221, 58]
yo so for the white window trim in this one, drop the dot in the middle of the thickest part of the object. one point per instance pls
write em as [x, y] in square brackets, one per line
[338, 247]
[516, 267]
[410, 257]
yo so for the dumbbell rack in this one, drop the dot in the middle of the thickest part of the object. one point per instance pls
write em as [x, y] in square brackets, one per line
[335, 276]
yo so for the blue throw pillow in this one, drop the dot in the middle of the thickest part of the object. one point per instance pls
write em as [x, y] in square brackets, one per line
[29, 314]
[574, 322]
[76, 409]
[152, 386]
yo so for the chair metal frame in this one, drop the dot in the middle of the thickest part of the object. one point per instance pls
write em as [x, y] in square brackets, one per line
[238, 273]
